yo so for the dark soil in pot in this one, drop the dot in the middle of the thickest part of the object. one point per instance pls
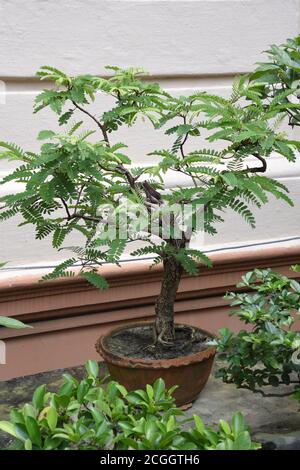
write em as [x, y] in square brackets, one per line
[134, 343]
[132, 363]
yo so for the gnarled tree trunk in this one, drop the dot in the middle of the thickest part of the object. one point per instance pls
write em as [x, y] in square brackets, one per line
[164, 306]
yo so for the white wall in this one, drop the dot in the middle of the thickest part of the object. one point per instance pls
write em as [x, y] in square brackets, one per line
[185, 45]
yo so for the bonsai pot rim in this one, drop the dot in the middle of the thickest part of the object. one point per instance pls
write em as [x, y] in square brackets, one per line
[139, 363]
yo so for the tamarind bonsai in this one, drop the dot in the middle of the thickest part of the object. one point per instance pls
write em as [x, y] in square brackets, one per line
[76, 173]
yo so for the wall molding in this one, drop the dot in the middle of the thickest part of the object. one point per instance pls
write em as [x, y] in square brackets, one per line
[68, 315]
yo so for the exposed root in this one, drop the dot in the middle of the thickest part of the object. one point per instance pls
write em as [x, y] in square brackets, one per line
[159, 341]
[189, 328]
[163, 342]
[150, 348]
[192, 337]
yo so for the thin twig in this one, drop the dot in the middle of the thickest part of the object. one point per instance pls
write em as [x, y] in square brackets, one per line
[66, 208]
[99, 124]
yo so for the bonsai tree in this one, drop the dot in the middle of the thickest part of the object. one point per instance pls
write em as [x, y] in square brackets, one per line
[76, 173]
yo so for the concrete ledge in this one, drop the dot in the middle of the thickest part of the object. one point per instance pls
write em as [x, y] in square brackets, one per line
[68, 315]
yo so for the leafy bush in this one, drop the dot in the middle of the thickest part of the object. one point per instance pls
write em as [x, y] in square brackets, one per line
[91, 414]
[262, 355]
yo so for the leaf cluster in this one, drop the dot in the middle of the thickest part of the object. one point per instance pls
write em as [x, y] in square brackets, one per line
[262, 354]
[64, 186]
[93, 414]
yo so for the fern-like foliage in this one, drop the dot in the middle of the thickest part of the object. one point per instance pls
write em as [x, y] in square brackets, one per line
[67, 185]
[95, 279]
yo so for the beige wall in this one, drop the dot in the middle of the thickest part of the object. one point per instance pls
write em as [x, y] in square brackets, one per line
[185, 44]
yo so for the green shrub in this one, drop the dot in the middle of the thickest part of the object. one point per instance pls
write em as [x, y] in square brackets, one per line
[94, 414]
[263, 354]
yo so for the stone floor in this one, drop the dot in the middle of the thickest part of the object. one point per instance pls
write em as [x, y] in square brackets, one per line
[274, 421]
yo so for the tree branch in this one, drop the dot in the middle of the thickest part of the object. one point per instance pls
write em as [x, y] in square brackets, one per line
[152, 195]
[66, 208]
[257, 169]
[99, 124]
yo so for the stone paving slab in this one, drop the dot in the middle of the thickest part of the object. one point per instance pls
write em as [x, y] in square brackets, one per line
[275, 422]
[221, 401]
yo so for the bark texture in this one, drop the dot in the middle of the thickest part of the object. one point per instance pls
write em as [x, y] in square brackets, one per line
[164, 306]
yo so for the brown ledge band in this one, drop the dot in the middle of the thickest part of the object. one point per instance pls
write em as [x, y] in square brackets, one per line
[68, 315]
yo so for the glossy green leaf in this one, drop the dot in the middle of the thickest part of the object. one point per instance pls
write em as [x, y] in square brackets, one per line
[52, 418]
[92, 368]
[33, 431]
[38, 397]
[9, 322]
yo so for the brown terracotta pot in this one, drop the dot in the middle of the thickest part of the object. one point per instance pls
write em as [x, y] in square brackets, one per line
[190, 372]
